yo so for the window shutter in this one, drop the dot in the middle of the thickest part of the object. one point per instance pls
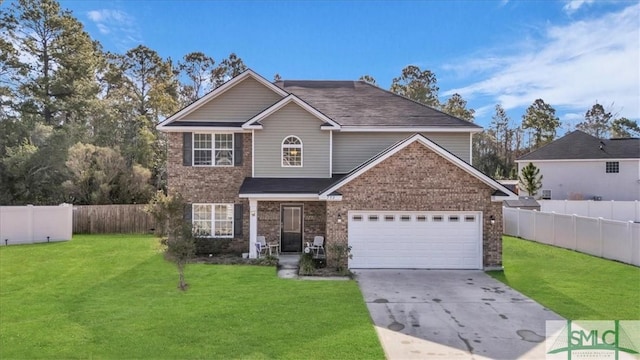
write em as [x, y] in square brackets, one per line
[237, 149]
[237, 220]
[186, 149]
[187, 213]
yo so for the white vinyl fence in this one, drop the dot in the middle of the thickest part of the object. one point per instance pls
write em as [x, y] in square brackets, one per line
[610, 239]
[33, 224]
[612, 210]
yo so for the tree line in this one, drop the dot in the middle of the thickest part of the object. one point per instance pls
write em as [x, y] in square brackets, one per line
[77, 123]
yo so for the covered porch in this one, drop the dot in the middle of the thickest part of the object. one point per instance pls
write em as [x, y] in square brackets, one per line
[288, 212]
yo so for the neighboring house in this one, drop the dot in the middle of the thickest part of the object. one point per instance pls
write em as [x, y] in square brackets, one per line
[579, 166]
[342, 159]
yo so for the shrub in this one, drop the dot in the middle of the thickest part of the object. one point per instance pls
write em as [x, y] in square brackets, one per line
[307, 265]
[339, 255]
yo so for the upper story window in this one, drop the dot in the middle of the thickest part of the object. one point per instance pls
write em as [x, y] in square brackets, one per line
[291, 152]
[213, 149]
[612, 167]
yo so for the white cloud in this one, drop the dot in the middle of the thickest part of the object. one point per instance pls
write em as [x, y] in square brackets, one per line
[121, 26]
[573, 5]
[570, 67]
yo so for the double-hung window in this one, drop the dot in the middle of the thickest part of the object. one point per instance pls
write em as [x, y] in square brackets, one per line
[213, 220]
[213, 149]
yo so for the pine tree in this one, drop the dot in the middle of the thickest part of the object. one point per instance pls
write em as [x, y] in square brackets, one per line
[541, 117]
[597, 122]
[530, 179]
[417, 85]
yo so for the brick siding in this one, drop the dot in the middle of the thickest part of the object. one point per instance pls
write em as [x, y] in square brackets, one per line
[415, 179]
[207, 184]
[269, 219]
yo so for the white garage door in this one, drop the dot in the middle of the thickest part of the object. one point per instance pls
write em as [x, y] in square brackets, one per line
[415, 240]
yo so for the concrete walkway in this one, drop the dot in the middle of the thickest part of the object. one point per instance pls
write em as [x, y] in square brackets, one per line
[288, 266]
[459, 314]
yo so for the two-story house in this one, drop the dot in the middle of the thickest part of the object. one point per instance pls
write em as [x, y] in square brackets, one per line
[579, 166]
[342, 159]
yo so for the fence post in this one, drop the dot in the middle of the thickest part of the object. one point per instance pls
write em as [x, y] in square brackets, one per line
[630, 236]
[553, 227]
[518, 221]
[575, 232]
[535, 233]
[600, 237]
[30, 224]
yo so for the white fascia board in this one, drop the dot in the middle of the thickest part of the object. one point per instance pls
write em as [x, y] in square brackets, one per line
[503, 198]
[331, 197]
[221, 90]
[433, 147]
[170, 129]
[344, 128]
[280, 104]
[575, 160]
[281, 197]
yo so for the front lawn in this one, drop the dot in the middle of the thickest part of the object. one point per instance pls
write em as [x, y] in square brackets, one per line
[574, 285]
[115, 297]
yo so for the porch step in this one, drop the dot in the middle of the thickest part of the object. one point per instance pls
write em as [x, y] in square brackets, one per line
[288, 266]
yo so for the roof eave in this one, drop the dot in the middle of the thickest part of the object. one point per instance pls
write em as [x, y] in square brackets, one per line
[170, 129]
[394, 128]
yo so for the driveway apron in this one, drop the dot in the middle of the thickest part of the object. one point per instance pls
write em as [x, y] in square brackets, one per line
[452, 314]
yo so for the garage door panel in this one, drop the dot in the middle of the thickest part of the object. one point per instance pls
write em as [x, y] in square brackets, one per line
[415, 240]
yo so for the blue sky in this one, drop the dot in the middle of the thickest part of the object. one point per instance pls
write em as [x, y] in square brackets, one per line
[569, 53]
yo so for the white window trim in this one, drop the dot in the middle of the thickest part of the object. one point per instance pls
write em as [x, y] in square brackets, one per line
[213, 148]
[301, 147]
[213, 219]
[615, 164]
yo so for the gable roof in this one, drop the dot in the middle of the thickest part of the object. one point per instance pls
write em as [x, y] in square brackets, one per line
[431, 146]
[360, 104]
[217, 92]
[254, 123]
[578, 145]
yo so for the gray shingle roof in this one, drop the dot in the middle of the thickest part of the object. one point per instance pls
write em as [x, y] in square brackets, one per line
[357, 103]
[253, 185]
[580, 145]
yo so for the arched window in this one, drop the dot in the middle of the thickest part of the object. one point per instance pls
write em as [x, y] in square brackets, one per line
[291, 152]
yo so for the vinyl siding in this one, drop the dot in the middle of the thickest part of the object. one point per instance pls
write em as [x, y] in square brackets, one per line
[291, 120]
[352, 149]
[240, 103]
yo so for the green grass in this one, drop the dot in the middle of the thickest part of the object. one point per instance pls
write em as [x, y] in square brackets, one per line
[576, 286]
[116, 297]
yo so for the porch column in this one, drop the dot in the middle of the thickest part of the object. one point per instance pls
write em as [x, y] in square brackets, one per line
[253, 227]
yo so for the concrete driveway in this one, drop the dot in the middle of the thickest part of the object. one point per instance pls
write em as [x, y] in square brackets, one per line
[445, 314]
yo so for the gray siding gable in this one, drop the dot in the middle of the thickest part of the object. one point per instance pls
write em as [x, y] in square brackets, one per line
[350, 149]
[240, 103]
[296, 121]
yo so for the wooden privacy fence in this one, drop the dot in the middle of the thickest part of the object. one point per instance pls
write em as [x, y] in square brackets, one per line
[105, 219]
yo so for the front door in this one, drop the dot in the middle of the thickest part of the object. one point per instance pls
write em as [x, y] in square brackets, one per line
[291, 225]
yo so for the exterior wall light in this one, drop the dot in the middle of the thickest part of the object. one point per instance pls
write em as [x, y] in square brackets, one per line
[339, 218]
[492, 219]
